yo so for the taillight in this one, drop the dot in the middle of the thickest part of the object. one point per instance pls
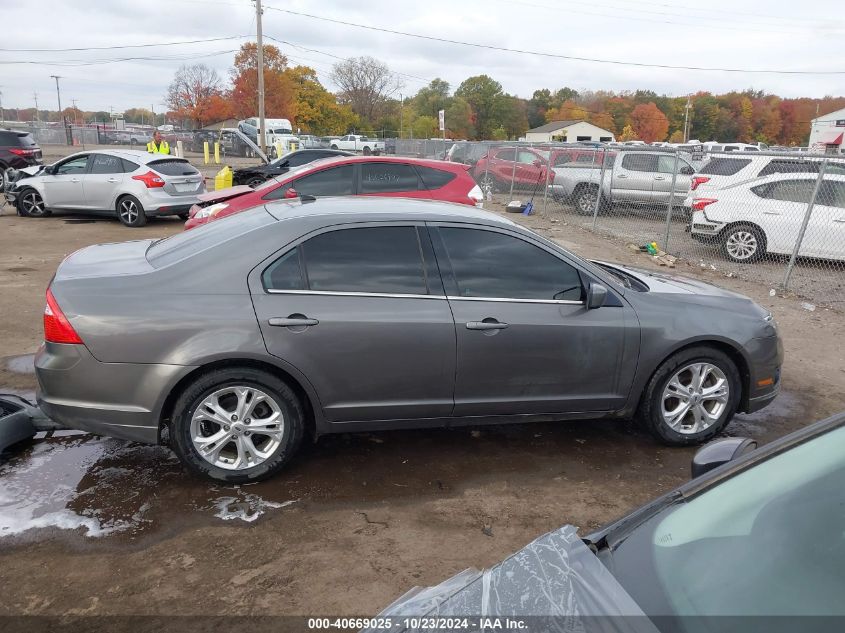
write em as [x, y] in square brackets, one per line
[698, 180]
[151, 179]
[57, 329]
[21, 152]
[699, 203]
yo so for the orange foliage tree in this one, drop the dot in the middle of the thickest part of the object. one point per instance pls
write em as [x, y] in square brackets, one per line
[279, 87]
[649, 123]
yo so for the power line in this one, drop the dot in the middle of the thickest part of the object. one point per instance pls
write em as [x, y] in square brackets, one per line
[116, 60]
[559, 56]
[108, 48]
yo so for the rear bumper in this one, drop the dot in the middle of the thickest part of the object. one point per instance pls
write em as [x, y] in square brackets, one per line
[121, 400]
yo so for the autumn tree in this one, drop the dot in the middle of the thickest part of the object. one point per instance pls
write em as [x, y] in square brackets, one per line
[190, 92]
[603, 120]
[484, 95]
[568, 111]
[317, 110]
[677, 137]
[364, 84]
[649, 123]
[279, 91]
[628, 134]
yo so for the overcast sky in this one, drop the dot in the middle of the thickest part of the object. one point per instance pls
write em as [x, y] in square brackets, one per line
[745, 34]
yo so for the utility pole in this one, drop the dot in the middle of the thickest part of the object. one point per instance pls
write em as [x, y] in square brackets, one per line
[35, 96]
[260, 41]
[401, 112]
[75, 110]
[2, 114]
[687, 108]
[59, 95]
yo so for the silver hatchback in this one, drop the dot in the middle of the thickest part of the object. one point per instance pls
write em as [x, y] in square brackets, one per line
[132, 184]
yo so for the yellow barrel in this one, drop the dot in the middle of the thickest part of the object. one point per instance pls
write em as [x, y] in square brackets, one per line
[223, 178]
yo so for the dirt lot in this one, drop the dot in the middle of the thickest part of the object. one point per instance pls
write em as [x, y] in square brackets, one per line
[357, 519]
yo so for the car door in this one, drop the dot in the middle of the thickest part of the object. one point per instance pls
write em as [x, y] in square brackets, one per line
[360, 311]
[390, 179]
[526, 343]
[826, 227]
[781, 214]
[634, 177]
[527, 173]
[102, 182]
[503, 166]
[63, 189]
[662, 181]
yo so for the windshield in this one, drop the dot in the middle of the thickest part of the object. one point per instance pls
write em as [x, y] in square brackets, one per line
[270, 184]
[768, 541]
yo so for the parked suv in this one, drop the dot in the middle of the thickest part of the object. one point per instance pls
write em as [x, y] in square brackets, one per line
[725, 170]
[17, 150]
[496, 170]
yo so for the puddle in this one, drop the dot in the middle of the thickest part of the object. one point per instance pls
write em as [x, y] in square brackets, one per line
[101, 486]
[21, 364]
[786, 407]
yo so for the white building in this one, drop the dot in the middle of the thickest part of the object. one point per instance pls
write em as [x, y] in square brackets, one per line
[826, 132]
[568, 132]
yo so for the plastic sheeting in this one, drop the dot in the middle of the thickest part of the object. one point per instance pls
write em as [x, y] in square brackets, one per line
[555, 582]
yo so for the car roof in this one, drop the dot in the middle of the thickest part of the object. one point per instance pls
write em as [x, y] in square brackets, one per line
[425, 162]
[791, 176]
[367, 209]
[136, 155]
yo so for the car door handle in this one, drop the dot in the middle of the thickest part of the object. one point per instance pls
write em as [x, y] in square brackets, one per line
[294, 320]
[74, 179]
[771, 213]
[839, 220]
[659, 178]
[113, 180]
[491, 324]
[621, 176]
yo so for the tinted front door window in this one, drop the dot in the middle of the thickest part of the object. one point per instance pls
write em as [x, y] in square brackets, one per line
[337, 181]
[489, 264]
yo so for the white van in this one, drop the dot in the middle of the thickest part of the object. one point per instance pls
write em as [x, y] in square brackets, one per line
[279, 132]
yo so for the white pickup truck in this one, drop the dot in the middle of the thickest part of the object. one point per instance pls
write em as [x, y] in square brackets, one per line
[358, 143]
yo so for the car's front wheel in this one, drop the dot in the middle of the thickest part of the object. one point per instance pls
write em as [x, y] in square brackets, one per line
[691, 397]
[254, 182]
[31, 205]
[237, 425]
[130, 212]
[743, 243]
[489, 183]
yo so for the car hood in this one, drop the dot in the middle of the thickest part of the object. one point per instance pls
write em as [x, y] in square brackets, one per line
[555, 579]
[225, 194]
[25, 172]
[670, 283]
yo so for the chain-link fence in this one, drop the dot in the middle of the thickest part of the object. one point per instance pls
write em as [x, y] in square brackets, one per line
[777, 218]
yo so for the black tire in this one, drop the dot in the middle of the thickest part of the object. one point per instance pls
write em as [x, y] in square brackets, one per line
[743, 243]
[130, 212]
[191, 398]
[650, 413]
[184, 216]
[367, 151]
[254, 182]
[584, 200]
[30, 204]
[334, 146]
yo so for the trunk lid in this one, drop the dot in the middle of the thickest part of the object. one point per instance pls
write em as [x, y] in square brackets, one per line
[106, 260]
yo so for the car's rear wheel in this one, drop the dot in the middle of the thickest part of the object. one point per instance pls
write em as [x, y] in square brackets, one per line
[130, 212]
[367, 151]
[489, 183]
[334, 146]
[585, 200]
[743, 243]
[691, 397]
[237, 425]
[31, 205]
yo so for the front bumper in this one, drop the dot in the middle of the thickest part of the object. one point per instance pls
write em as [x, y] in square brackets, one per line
[764, 380]
[116, 399]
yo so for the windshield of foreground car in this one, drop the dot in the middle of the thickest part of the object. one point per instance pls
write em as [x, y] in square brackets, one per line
[768, 541]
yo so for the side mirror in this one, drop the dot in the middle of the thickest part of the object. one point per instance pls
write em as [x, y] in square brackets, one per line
[291, 193]
[596, 296]
[538, 163]
[720, 452]
[687, 171]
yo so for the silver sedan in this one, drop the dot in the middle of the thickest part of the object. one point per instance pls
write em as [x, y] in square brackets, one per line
[131, 184]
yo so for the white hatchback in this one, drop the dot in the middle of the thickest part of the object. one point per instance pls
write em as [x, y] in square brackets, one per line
[764, 215]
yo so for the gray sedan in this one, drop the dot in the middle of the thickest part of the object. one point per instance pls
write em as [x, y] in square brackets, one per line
[131, 184]
[233, 341]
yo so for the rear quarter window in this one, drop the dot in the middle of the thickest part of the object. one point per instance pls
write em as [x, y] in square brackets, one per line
[435, 178]
[173, 167]
[724, 166]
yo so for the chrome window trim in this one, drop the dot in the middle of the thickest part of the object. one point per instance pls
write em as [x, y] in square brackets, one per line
[507, 300]
[387, 295]
[338, 293]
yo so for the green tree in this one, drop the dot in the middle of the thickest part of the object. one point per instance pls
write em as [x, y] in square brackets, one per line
[484, 95]
[433, 98]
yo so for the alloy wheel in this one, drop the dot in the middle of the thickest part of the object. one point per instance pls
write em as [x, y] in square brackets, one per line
[129, 211]
[32, 204]
[741, 245]
[488, 183]
[237, 427]
[695, 398]
[587, 201]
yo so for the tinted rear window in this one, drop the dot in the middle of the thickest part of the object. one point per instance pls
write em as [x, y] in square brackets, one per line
[724, 166]
[435, 178]
[173, 167]
[189, 243]
[16, 139]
